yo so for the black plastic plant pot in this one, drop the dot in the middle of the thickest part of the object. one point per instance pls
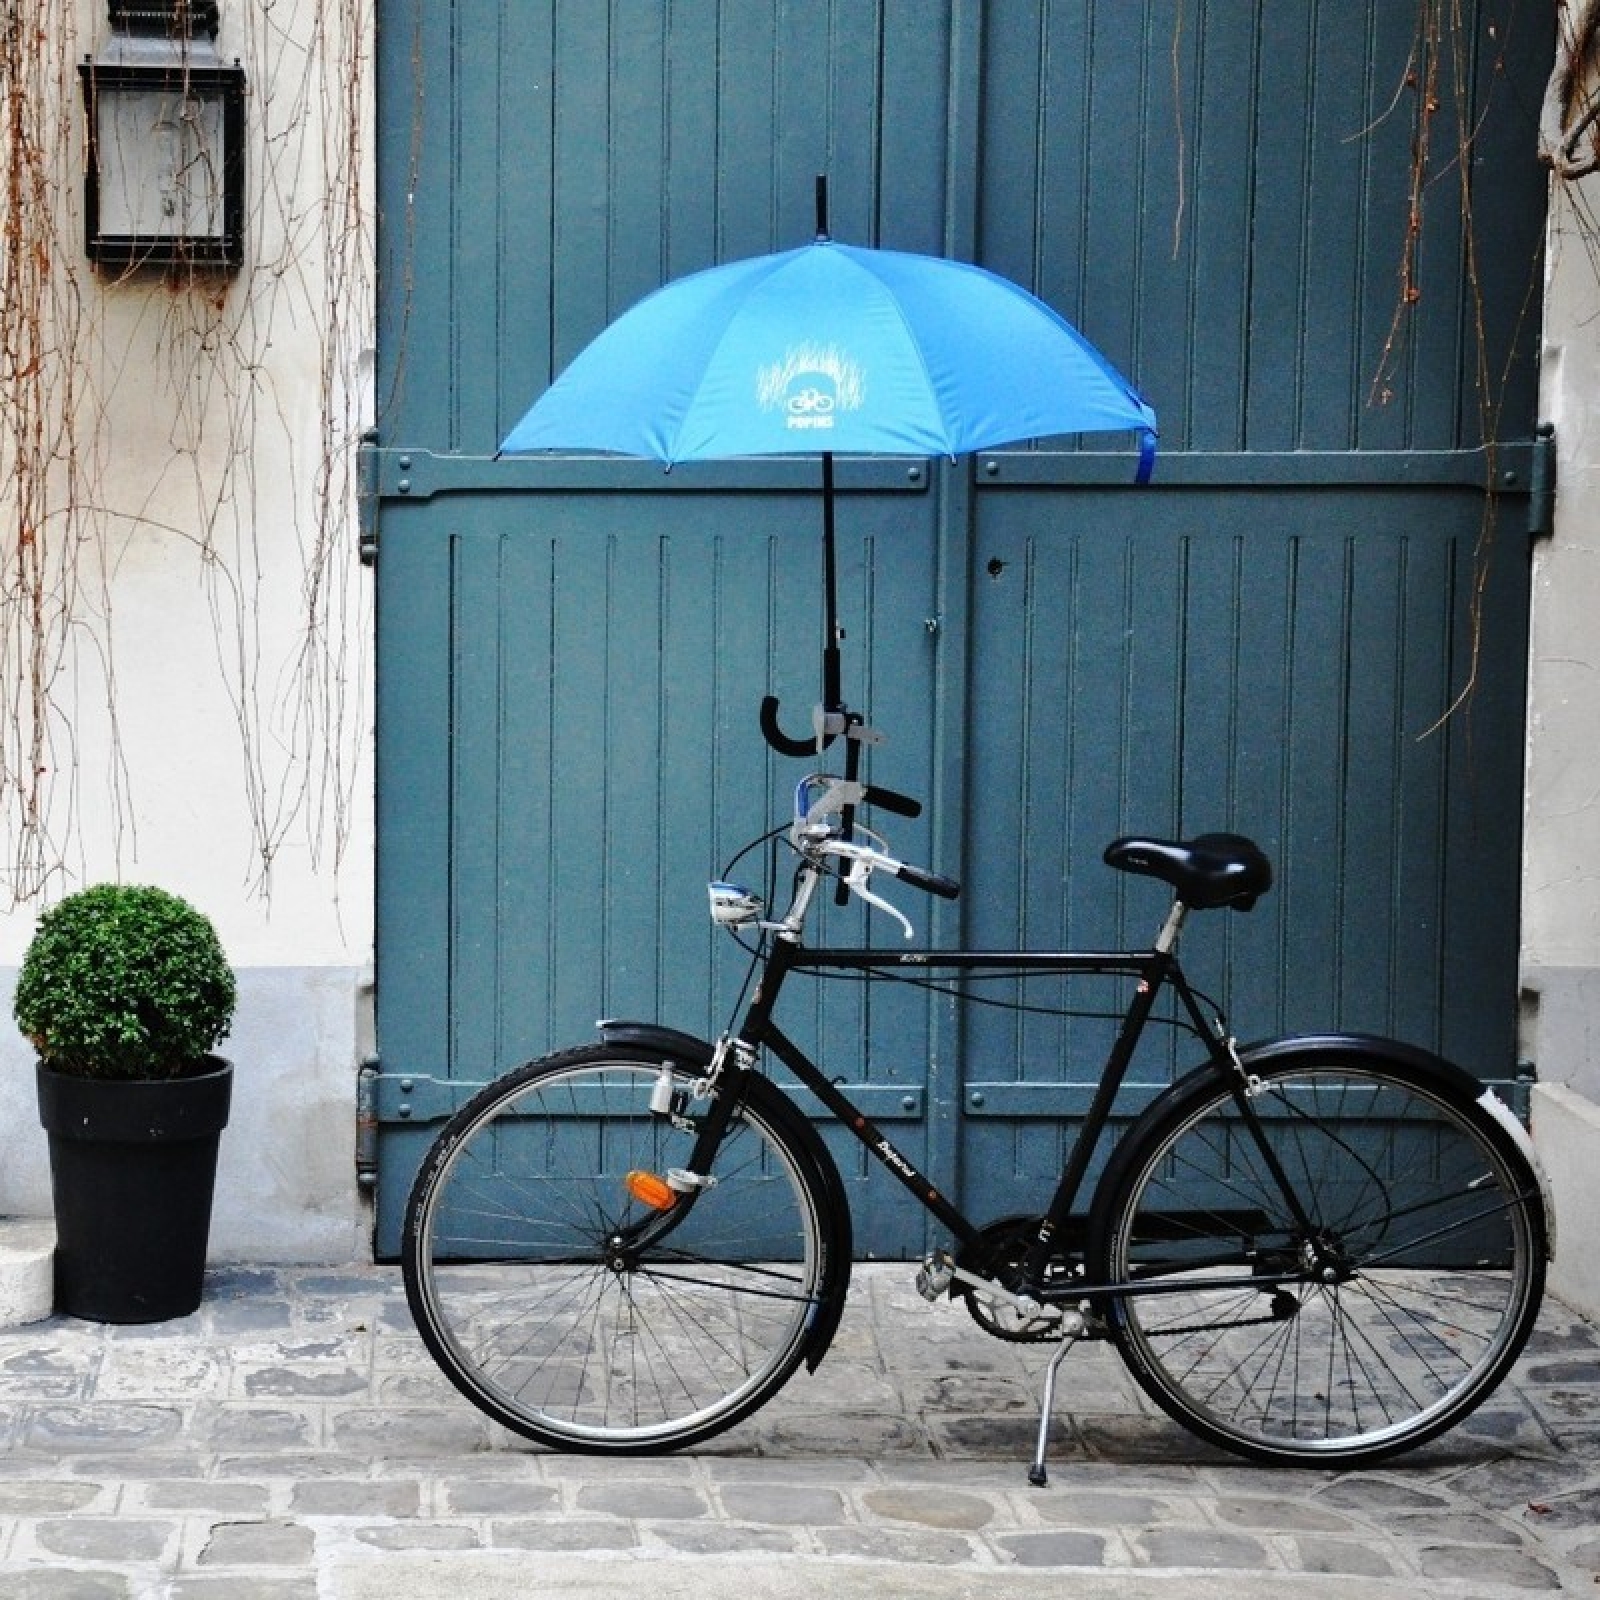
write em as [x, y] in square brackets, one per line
[133, 1166]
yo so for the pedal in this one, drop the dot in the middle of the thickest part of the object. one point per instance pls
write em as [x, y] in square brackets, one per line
[937, 1273]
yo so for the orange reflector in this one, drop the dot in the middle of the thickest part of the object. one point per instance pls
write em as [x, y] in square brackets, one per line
[649, 1190]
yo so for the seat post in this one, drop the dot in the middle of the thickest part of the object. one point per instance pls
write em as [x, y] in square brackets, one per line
[1170, 929]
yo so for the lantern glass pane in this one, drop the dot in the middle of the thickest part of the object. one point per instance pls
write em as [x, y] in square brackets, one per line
[161, 170]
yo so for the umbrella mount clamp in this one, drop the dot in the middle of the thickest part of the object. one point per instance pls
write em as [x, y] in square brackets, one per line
[829, 724]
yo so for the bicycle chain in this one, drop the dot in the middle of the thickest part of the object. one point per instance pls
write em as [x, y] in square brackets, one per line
[1223, 1327]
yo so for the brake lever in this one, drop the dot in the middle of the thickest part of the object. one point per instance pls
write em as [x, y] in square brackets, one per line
[856, 881]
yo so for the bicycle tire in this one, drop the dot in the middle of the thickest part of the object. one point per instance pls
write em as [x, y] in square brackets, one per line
[1373, 1325]
[522, 1295]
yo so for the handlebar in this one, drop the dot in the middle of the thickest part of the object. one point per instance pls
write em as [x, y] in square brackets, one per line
[888, 800]
[823, 805]
[825, 835]
[921, 878]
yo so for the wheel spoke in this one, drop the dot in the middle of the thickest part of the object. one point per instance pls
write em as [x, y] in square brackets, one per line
[535, 1283]
[1396, 1314]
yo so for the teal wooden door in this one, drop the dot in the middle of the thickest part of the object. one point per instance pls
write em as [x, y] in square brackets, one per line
[571, 657]
[571, 653]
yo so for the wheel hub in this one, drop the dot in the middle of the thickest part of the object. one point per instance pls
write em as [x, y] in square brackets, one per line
[1323, 1260]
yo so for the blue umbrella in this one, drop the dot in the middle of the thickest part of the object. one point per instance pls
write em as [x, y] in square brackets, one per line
[831, 348]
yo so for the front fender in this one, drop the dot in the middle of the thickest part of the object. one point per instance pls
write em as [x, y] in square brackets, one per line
[672, 1045]
[653, 1037]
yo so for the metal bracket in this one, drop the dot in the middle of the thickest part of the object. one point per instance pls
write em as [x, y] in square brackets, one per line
[368, 472]
[1542, 483]
[367, 1125]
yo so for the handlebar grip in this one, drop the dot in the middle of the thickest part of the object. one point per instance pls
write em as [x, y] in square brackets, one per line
[932, 882]
[778, 739]
[889, 800]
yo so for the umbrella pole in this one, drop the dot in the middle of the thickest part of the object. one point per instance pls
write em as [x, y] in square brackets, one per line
[831, 696]
[836, 716]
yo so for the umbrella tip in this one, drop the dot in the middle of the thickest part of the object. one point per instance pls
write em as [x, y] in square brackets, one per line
[822, 207]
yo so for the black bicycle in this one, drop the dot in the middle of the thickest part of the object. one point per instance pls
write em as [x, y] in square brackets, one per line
[1320, 1250]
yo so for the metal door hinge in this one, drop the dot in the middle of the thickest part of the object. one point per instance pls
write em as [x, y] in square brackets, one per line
[367, 1124]
[1542, 483]
[367, 472]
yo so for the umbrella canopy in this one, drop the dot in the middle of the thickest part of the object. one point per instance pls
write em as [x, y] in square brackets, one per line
[832, 348]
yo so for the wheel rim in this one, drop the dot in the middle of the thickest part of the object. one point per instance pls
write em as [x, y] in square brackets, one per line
[553, 1312]
[1378, 1325]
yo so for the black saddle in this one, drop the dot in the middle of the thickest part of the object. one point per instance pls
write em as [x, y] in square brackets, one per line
[1210, 870]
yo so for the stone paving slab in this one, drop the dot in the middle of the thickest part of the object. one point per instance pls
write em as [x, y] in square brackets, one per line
[293, 1441]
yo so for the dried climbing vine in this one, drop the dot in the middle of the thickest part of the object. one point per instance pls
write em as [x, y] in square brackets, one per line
[209, 370]
[41, 308]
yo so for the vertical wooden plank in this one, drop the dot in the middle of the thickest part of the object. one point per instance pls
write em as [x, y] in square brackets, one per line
[1235, 752]
[527, 910]
[1485, 815]
[576, 786]
[1509, 200]
[523, 215]
[1381, 571]
[1387, 323]
[1440, 347]
[689, 187]
[1221, 133]
[1278, 264]
[1105, 234]
[413, 794]
[909, 125]
[1011, 187]
[475, 250]
[477, 741]
[1332, 386]
[415, 377]
[580, 289]
[1166, 327]
[636, 150]
[806, 60]
[746, 91]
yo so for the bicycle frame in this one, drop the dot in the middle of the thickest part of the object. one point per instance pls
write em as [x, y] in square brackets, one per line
[1155, 969]
[1298, 1200]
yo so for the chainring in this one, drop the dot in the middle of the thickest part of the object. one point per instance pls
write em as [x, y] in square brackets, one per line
[1001, 1248]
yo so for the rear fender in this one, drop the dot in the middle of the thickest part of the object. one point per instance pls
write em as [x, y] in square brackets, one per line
[671, 1045]
[1363, 1046]
[1371, 1047]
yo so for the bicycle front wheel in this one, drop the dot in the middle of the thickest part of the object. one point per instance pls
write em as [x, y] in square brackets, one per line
[564, 1294]
[1339, 1274]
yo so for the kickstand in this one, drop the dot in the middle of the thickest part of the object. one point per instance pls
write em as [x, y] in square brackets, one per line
[1037, 1475]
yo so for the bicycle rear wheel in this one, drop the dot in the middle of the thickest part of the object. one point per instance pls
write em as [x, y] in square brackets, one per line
[1341, 1279]
[565, 1305]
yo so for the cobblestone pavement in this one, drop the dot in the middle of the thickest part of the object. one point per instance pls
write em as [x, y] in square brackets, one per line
[292, 1441]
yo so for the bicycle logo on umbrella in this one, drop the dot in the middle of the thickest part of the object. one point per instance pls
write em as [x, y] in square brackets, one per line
[809, 402]
[810, 386]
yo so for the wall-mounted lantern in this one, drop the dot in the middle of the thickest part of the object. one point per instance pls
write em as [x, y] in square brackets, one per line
[164, 185]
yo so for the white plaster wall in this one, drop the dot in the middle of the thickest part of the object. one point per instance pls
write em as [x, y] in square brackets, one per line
[209, 749]
[1561, 880]
[286, 1189]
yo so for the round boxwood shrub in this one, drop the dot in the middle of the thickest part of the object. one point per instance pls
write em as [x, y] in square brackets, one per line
[124, 982]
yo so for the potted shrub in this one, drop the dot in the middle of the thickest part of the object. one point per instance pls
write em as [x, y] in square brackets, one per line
[124, 992]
